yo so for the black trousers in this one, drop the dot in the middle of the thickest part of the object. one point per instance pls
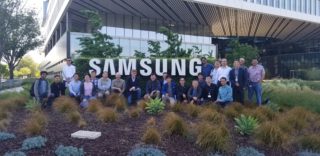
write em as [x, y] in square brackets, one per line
[238, 94]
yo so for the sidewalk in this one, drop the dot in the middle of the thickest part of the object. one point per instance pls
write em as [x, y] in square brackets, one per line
[16, 89]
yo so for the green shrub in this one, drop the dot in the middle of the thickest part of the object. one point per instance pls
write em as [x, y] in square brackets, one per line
[212, 137]
[151, 136]
[146, 151]
[6, 136]
[245, 125]
[15, 153]
[274, 107]
[248, 151]
[155, 106]
[174, 124]
[69, 151]
[32, 143]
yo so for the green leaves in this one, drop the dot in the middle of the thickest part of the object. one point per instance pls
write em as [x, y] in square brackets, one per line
[239, 50]
[245, 125]
[155, 106]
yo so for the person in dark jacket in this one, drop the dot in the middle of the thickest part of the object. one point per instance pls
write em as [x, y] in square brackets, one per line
[153, 87]
[41, 89]
[195, 92]
[182, 91]
[133, 89]
[209, 91]
[169, 91]
[238, 79]
[57, 89]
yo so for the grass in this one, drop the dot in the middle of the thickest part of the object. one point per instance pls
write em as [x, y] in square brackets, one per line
[178, 107]
[94, 106]
[151, 136]
[212, 137]
[65, 104]
[134, 112]
[36, 123]
[192, 110]
[270, 134]
[211, 115]
[107, 115]
[151, 122]
[310, 142]
[174, 125]
[233, 110]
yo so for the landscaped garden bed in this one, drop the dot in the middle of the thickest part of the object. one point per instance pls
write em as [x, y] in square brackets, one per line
[183, 129]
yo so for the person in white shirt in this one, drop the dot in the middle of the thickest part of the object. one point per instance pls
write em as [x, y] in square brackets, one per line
[104, 85]
[214, 72]
[223, 71]
[68, 71]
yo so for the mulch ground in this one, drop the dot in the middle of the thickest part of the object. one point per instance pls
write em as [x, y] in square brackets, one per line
[117, 138]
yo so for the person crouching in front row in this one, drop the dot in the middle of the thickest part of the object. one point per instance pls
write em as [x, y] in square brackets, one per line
[225, 93]
[87, 91]
[169, 91]
[195, 92]
[133, 89]
[104, 85]
[153, 88]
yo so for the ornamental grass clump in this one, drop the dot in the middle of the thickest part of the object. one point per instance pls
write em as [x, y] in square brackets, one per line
[134, 112]
[310, 142]
[6, 136]
[211, 115]
[174, 125]
[65, 104]
[120, 104]
[246, 125]
[233, 110]
[151, 136]
[107, 115]
[193, 110]
[155, 106]
[212, 137]
[270, 134]
[178, 107]
[33, 143]
[142, 104]
[36, 123]
[94, 106]
[69, 151]
[151, 122]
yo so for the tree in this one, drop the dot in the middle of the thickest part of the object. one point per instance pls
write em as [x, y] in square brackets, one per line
[239, 50]
[154, 49]
[139, 54]
[4, 70]
[28, 62]
[22, 35]
[99, 45]
[25, 71]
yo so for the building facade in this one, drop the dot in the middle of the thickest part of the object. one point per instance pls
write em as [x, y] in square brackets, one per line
[289, 28]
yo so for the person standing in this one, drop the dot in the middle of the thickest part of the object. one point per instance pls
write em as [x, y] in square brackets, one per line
[206, 67]
[118, 85]
[225, 93]
[133, 88]
[214, 73]
[201, 80]
[182, 91]
[42, 89]
[209, 91]
[238, 79]
[169, 91]
[104, 85]
[153, 87]
[243, 63]
[256, 75]
[68, 71]
[195, 92]
[223, 71]
[57, 89]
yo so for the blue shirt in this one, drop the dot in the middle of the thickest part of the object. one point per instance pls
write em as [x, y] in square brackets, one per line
[74, 87]
[225, 94]
[43, 87]
[206, 69]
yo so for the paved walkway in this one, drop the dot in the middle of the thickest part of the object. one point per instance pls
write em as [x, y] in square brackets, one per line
[17, 89]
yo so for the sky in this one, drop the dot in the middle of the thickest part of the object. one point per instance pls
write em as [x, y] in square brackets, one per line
[36, 54]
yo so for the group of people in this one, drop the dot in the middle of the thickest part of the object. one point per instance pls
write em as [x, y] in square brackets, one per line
[217, 83]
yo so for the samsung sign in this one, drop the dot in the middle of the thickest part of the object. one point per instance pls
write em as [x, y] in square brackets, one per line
[174, 67]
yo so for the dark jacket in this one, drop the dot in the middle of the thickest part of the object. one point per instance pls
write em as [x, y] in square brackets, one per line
[165, 89]
[130, 83]
[94, 89]
[242, 77]
[152, 86]
[212, 89]
[198, 91]
[57, 89]
[182, 90]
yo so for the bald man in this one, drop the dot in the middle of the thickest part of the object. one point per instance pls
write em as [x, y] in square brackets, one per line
[118, 84]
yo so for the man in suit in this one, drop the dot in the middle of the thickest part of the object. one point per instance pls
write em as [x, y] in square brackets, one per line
[133, 88]
[238, 79]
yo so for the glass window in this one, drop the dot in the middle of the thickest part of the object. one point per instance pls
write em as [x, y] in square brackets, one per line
[111, 31]
[277, 3]
[265, 2]
[128, 26]
[119, 32]
[144, 34]
[271, 3]
[135, 45]
[144, 46]
[152, 35]
[187, 38]
[125, 44]
[294, 6]
[160, 36]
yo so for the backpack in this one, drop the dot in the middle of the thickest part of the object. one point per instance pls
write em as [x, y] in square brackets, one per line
[31, 91]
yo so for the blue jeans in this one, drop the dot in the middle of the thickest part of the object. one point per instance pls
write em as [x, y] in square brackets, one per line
[134, 96]
[255, 87]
